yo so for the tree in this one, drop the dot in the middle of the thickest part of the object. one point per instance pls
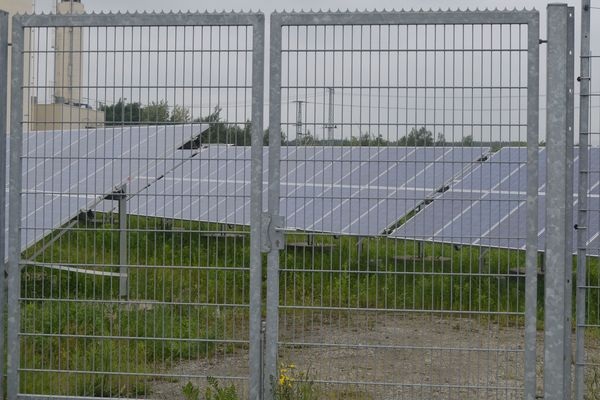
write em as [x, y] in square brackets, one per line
[417, 137]
[134, 113]
[122, 113]
[305, 140]
[266, 138]
[222, 132]
[467, 141]
[180, 114]
[156, 113]
[441, 139]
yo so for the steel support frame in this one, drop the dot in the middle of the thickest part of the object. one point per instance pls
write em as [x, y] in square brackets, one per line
[123, 245]
[559, 122]
[20, 22]
[529, 18]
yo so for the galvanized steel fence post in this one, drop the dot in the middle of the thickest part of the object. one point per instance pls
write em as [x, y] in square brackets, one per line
[556, 330]
[531, 250]
[569, 230]
[14, 217]
[3, 162]
[273, 196]
[256, 391]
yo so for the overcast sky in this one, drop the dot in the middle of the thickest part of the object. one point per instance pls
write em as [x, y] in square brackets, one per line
[269, 6]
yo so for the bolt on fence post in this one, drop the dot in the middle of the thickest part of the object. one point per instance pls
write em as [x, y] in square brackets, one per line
[556, 385]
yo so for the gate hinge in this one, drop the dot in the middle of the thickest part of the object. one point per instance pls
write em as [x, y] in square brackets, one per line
[271, 232]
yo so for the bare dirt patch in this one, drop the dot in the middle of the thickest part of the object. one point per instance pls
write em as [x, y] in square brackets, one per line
[388, 357]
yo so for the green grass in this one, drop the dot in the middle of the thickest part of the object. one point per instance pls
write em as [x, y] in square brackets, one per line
[166, 302]
[193, 290]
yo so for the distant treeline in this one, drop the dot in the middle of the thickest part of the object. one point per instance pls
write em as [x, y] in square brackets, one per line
[420, 137]
[220, 131]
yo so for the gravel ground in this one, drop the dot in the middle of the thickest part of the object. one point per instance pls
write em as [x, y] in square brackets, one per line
[406, 357]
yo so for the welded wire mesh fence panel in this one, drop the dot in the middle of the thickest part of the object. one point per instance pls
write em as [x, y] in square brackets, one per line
[587, 370]
[408, 184]
[130, 248]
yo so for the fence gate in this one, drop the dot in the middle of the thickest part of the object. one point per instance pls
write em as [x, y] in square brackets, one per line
[407, 155]
[135, 174]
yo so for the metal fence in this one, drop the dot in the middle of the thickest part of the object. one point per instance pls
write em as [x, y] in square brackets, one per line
[588, 248]
[401, 195]
[127, 276]
[408, 183]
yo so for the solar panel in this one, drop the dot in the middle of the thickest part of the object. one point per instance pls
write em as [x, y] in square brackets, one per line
[473, 206]
[206, 187]
[488, 206]
[65, 172]
[333, 189]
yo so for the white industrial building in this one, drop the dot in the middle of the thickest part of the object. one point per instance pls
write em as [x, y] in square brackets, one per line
[16, 7]
[66, 109]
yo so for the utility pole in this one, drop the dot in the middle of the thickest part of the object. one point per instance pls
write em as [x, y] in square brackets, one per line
[299, 133]
[330, 126]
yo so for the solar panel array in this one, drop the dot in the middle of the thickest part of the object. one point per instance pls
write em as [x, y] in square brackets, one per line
[466, 198]
[487, 207]
[65, 172]
[339, 190]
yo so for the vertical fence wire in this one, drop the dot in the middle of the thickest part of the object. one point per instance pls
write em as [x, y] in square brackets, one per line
[138, 144]
[406, 227]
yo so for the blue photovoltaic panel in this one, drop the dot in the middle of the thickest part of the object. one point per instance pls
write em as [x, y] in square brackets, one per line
[334, 189]
[459, 216]
[68, 171]
[474, 209]
[212, 186]
[351, 190]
